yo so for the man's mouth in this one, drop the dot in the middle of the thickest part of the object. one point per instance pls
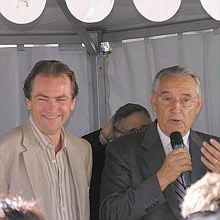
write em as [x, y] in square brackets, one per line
[51, 117]
[175, 121]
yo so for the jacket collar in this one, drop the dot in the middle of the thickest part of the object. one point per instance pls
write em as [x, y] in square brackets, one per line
[151, 136]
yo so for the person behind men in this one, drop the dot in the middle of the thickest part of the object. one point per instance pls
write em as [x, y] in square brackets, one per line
[39, 159]
[141, 169]
[127, 119]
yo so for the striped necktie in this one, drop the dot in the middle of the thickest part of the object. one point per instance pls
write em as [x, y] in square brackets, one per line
[180, 191]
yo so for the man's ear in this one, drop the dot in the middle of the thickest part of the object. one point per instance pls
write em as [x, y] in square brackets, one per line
[73, 103]
[28, 104]
[199, 103]
[153, 100]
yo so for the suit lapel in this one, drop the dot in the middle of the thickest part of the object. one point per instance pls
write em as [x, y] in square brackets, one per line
[154, 154]
[33, 165]
[154, 157]
[195, 143]
[78, 178]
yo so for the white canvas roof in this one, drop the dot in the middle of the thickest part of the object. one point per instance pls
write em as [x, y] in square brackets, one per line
[57, 25]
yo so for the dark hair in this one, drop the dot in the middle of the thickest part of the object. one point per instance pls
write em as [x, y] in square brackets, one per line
[19, 215]
[127, 110]
[48, 68]
[176, 71]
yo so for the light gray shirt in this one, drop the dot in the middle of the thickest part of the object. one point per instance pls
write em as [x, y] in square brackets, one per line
[58, 177]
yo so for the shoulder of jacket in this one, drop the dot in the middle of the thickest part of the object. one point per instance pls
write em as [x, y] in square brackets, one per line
[78, 141]
[11, 135]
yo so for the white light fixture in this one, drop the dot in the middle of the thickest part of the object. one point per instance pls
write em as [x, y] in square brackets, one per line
[22, 11]
[212, 7]
[90, 10]
[157, 10]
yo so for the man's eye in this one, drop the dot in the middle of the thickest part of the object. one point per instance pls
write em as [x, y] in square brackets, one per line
[61, 100]
[185, 100]
[167, 98]
[42, 99]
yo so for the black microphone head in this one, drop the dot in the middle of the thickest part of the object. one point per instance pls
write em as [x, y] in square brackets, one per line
[176, 139]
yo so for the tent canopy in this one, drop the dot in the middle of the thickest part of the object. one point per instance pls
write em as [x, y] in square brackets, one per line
[57, 25]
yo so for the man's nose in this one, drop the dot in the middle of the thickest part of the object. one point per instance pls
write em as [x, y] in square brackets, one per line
[52, 104]
[176, 105]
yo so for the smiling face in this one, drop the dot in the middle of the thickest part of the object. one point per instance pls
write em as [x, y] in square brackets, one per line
[51, 103]
[175, 116]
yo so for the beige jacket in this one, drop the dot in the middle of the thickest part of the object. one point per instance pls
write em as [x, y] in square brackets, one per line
[20, 171]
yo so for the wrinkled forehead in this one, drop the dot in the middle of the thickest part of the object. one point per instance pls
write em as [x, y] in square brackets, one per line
[178, 84]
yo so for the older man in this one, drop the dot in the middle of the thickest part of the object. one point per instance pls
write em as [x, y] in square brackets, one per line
[142, 170]
[39, 159]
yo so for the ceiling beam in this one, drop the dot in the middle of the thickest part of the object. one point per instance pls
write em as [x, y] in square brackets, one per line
[179, 27]
[40, 39]
[90, 44]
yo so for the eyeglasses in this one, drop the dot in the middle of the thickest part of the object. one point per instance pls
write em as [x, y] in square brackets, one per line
[185, 102]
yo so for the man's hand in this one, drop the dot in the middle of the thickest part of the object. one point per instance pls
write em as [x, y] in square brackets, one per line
[211, 155]
[175, 163]
[107, 130]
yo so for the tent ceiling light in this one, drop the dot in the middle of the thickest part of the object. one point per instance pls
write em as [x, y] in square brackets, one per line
[22, 11]
[90, 10]
[212, 7]
[157, 10]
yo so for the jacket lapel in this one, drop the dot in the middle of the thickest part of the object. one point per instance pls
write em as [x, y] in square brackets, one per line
[154, 157]
[199, 169]
[78, 178]
[33, 165]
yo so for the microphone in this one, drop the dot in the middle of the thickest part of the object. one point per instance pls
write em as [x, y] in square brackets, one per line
[177, 142]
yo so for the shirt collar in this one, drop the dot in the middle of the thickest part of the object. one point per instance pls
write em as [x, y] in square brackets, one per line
[166, 140]
[45, 141]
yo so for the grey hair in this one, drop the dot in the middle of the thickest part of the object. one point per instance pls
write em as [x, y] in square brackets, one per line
[204, 195]
[176, 71]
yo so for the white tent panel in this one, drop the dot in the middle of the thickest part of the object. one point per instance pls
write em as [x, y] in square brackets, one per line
[133, 65]
[15, 66]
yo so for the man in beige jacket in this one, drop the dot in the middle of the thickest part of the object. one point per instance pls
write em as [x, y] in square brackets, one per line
[40, 160]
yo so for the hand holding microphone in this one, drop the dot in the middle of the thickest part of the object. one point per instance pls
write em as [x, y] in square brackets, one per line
[177, 142]
[176, 162]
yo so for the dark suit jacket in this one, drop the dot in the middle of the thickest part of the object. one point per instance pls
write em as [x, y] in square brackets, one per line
[98, 154]
[130, 189]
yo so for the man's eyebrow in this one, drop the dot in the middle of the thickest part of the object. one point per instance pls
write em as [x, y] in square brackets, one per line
[164, 92]
[45, 96]
[62, 96]
[41, 95]
[183, 94]
[186, 94]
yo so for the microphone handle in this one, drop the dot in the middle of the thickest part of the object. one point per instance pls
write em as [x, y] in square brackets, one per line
[186, 178]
